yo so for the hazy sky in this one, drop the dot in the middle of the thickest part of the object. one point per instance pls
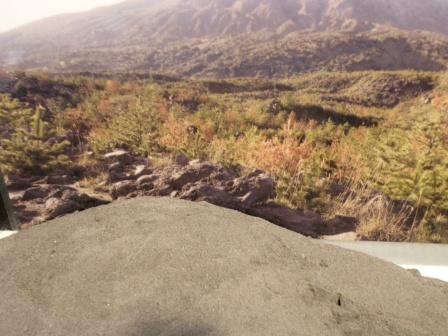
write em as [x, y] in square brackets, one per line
[14, 13]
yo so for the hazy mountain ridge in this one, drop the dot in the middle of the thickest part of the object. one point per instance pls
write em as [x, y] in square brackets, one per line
[138, 29]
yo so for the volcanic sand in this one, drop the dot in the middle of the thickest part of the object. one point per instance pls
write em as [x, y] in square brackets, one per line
[167, 267]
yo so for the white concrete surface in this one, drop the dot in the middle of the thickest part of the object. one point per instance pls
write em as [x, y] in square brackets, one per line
[431, 260]
[4, 234]
[435, 272]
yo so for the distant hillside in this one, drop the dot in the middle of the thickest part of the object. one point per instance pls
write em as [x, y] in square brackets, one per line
[237, 37]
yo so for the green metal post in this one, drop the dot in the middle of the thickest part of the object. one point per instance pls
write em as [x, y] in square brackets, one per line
[7, 219]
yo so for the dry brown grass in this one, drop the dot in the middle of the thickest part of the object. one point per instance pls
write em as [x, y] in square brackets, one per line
[380, 218]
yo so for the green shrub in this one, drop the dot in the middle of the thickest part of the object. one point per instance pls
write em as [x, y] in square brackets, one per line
[136, 129]
[33, 148]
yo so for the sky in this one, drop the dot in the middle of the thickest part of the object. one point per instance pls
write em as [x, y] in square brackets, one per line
[14, 13]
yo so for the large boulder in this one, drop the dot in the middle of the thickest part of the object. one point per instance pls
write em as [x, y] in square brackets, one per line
[250, 192]
[305, 223]
[258, 189]
[167, 267]
[56, 207]
[35, 193]
[180, 159]
[57, 180]
[145, 183]
[195, 172]
[69, 201]
[44, 202]
[44, 191]
[16, 183]
[142, 180]
[341, 225]
[141, 170]
[123, 188]
[208, 193]
[119, 155]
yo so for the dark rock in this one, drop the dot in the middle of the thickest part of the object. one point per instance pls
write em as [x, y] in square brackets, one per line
[145, 187]
[34, 193]
[119, 156]
[242, 185]
[115, 167]
[76, 171]
[306, 223]
[191, 173]
[59, 179]
[223, 177]
[116, 172]
[123, 188]
[196, 181]
[116, 177]
[208, 193]
[133, 194]
[161, 190]
[45, 202]
[145, 179]
[261, 188]
[181, 159]
[42, 192]
[341, 224]
[55, 207]
[59, 191]
[56, 179]
[70, 201]
[337, 190]
[141, 170]
[17, 183]
[195, 162]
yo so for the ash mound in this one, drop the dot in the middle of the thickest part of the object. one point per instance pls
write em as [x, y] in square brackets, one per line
[154, 266]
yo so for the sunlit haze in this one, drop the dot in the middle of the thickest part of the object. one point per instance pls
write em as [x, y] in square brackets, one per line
[18, 12]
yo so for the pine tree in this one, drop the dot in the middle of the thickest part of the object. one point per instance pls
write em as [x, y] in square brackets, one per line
[137, 129]
[12, 115]
[413, 166]
[28, 150]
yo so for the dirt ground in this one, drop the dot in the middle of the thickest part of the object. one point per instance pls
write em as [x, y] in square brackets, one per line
[155, 266]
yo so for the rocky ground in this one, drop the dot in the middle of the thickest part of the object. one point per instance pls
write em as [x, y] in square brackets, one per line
[249, 191]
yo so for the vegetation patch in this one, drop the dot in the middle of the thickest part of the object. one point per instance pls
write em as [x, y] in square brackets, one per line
[379, 158]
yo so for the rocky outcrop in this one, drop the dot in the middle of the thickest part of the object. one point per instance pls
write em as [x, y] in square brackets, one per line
[306, 223]
[18, 183]
[180, 159]
[245, 190]
[120, 155]
[123, 188]
[44, 202]
[192, 173]
[68, 201]
[251, 192]
[36, 193]
[57, 180]
[121, 165]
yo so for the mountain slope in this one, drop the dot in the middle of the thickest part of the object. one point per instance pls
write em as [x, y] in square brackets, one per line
[135, 30]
